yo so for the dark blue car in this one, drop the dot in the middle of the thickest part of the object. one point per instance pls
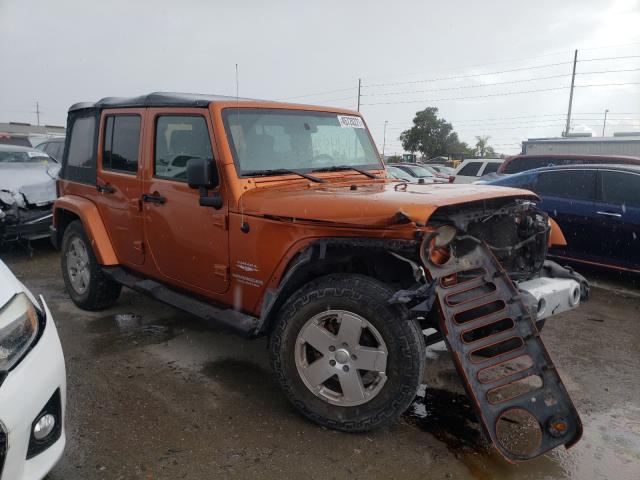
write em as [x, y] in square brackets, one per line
[596, 206]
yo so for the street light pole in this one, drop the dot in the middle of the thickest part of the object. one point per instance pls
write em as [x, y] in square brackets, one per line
[384, 138]
[604, 124]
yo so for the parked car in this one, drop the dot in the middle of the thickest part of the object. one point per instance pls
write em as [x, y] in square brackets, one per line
[400, 174]
[32, 384]
[441, 169]
[285, 226]
[27, 192]
[420, 172]
[54, 147]
[18, 140]
[597, 208]
[471, 170]
[521, 163]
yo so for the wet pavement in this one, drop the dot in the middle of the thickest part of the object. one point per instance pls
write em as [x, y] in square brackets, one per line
[155, 394]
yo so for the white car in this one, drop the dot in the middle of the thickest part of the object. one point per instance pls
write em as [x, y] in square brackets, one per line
[32, 384]
[472, 169]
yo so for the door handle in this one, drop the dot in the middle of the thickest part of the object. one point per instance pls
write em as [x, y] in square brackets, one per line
[105, 188]
[610, 214]
[154, 198]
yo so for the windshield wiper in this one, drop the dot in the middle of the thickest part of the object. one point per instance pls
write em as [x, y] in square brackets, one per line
[339, 168]
[281, 171]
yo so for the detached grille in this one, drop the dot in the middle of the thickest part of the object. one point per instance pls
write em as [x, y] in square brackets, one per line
[3, 448]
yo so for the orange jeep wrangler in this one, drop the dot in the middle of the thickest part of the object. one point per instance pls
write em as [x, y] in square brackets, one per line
[277, 219]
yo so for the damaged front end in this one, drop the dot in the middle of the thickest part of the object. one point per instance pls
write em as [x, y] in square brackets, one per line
[26, 211]
[484, 267]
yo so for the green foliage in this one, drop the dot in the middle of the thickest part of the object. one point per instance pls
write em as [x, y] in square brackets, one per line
[393, 159]
[431, 136]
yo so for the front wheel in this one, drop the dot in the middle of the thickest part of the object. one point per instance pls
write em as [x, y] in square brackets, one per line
[86, 284]
[344, 357]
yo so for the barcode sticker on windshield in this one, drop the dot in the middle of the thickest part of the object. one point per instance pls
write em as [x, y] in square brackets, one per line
[350, 122]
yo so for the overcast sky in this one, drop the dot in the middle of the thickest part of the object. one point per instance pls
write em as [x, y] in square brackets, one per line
[61, 52]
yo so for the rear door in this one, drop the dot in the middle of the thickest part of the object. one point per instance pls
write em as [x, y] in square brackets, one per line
[119, 182]
[568, 196]
[188, 242]
[618, 218]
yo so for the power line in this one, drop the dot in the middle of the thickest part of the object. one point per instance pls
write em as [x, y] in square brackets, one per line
[319, 93]
[455, 77]
[502, 94]
[469, 97]
[498, 83]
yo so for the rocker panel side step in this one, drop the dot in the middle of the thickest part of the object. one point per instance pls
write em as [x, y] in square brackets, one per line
[486, 358]
[238, 322]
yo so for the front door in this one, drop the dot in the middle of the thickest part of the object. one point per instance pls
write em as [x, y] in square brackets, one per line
[119, 182]
[188, 242]
[618, 212]
[568, 196]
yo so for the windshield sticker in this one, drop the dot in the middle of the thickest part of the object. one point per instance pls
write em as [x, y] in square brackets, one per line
[350, 122]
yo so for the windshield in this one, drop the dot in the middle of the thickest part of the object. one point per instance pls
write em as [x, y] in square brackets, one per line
[275, 139]
[420, 172]
[400, 174]
[24, 157]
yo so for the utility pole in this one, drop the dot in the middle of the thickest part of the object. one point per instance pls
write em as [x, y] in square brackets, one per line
[38, 113]
[573, 79]
[384, 138]
[359, 86]
[604, 124]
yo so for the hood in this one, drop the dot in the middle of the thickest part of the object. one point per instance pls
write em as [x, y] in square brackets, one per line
[366, 204]
[30, 183]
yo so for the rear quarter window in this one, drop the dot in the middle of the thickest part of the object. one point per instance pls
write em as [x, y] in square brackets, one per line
[491, 167]
[471, 169]
[79, 163]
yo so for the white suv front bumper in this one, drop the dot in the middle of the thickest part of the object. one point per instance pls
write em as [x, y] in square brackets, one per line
[23, 395]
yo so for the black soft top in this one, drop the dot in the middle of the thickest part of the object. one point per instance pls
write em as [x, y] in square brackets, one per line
[157, 99]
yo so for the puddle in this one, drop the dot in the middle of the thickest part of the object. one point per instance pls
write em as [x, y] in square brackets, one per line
[125, 331]
[240, 376]
[609, 448]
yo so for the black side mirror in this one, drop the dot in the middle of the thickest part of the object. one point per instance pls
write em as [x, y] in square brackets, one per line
[203, 175]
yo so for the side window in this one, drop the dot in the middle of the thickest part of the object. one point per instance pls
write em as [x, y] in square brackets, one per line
[471, 169]
[491, 167]
[578, 184]
[81, 144]
[524, 180]
[179, 139]
[121, 143]
[621, 188]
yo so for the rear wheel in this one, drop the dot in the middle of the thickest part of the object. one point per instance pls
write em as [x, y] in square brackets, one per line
[346, 358]
[86, 284]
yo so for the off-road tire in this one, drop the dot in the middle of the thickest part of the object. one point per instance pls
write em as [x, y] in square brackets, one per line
[102, 292]
[366, 297]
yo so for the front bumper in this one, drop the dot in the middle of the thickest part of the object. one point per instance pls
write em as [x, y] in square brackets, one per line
[32, 226]
[23, 394]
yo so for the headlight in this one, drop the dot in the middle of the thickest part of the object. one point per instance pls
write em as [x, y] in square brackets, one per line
[18, 329]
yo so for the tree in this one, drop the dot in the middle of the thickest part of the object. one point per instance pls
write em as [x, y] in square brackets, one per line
[394, 159]
[482, 146]
[430, 135]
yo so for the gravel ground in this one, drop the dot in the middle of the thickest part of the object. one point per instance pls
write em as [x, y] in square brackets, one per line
[154, 394]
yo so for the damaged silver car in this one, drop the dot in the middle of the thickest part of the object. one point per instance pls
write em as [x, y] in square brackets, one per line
[27, 192]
